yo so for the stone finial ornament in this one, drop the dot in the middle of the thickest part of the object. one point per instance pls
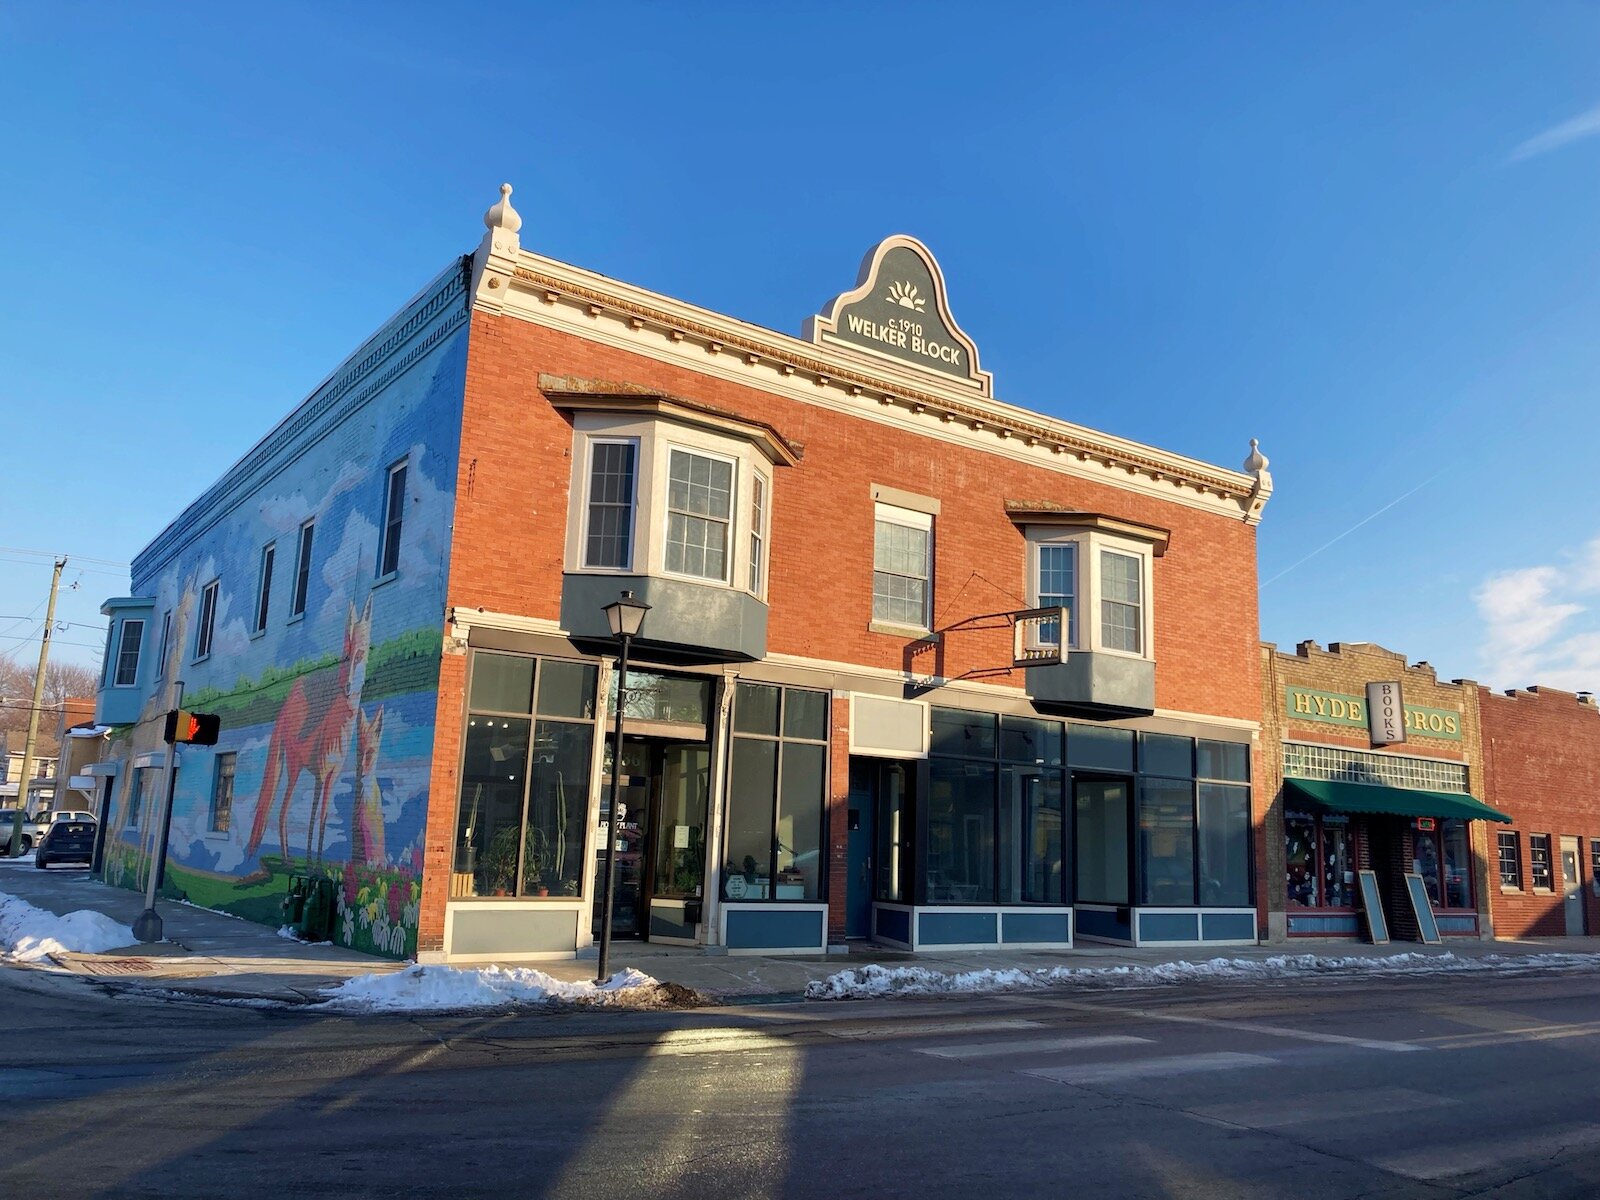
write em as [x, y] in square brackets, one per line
[1257, 462]
[503, 216]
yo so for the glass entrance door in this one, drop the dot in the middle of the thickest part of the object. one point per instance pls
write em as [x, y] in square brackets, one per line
[630, 910]
[683, 774]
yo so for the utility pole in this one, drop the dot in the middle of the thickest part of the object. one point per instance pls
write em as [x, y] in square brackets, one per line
[33, 716]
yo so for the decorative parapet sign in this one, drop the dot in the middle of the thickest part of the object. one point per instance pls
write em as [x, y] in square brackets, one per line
[1336, 708]
[898, 309]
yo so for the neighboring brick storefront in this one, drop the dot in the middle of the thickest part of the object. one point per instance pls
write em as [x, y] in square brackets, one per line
[1314, 720]
[1541, 755]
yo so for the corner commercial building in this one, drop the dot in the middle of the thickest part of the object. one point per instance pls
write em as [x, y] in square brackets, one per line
[841, 726]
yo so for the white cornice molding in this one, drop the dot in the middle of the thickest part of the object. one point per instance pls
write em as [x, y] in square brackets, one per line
[587, 305]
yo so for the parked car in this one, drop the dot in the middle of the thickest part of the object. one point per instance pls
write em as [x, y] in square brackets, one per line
[66, 841]
[30, 830]
[46, 817]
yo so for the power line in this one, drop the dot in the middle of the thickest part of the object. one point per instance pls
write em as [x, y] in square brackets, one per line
[52, 555]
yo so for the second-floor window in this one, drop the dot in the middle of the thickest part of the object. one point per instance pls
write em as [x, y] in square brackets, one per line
[128, 654]
[208, 620]
[608, 539]
[1058, 588]
[269, 552]
[1102, 581]
[302, 570]
[699, 514]
[394, 511]
[1121, 602]
[902, 567]
[166, 642]
[758, 531]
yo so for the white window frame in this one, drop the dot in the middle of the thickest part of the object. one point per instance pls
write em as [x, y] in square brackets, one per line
[1087, 634]
[122, 649]
[299, 601]
[389, 520]
[269, 562]
[757, 539]
[732, 557]
[205, 631]
[893, 514]
[586, 486]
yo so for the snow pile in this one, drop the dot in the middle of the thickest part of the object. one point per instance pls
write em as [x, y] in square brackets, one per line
[30, 934]
[427, 987]
[862, 982]
[287, 933]
[6, 859]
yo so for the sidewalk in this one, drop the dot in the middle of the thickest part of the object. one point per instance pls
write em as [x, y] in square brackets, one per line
[213, 956]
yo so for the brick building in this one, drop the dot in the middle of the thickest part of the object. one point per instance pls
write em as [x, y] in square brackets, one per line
[1340, 793]
[848, 714]
[1541, 766]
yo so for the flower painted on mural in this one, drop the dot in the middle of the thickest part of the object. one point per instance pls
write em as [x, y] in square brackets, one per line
[348, 927]
[397, 899]
[416, 861]
[350, 886]
[906, 296]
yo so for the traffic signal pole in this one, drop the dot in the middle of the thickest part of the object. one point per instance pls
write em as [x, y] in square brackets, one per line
[147, 927]
[15, 847]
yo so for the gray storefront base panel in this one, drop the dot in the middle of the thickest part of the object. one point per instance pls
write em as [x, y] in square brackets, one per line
[1036, 927]
[769, 929]
[490, 930]
[666, 920]
[956, 929]
[1227, 927]
[892, 923]
[1101, 923]
[1169, 927]
[1331, 924]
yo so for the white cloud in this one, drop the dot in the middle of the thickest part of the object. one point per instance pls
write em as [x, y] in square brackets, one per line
[1529, 616]
[1584, 125]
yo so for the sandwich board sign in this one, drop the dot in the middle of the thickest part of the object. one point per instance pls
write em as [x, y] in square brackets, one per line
[1377, 927]
[1418, 892]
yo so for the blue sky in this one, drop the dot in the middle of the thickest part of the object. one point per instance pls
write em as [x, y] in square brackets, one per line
[1365, 233]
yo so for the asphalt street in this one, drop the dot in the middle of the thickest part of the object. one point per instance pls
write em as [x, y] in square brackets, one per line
[1308, 1089]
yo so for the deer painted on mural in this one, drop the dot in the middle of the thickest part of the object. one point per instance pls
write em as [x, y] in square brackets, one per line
[312, 734]
[366, 821]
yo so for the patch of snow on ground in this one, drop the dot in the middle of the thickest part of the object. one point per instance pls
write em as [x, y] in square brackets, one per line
[422, 988]
[287, 933]
[29, 934]
[863, 982]
[24, 859]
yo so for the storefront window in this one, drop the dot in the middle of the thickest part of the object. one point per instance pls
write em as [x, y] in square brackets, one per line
[996, 827]
[1101, 830]
[1224, 844]
[1443, 858]
[777, 794]
[1301, 860]
[523, 810]
[656, 697]
[1319, 859]
[1166, 841]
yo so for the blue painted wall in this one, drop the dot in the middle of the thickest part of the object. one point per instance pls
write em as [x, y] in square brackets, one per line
[330, 714]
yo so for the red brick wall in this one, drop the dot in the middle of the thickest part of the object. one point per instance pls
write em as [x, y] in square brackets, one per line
[511, 510]
[1541, 754]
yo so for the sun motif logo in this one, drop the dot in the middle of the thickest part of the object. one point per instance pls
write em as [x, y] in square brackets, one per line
[906, 296]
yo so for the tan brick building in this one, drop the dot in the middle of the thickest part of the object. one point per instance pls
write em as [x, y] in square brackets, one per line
[1334, 801]
[1541, 766]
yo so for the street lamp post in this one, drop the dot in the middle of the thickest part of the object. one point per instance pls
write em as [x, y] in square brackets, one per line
[626, 617]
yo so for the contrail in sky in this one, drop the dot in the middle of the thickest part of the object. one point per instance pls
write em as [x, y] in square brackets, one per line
[1353, 528]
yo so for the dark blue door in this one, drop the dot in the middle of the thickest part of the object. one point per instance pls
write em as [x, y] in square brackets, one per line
[863, 805]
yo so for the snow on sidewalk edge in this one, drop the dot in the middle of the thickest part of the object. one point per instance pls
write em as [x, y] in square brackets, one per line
[421, 988]
[29, 934]
[862, 982]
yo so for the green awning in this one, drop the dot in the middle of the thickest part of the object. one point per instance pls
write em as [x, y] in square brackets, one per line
[1375, 798]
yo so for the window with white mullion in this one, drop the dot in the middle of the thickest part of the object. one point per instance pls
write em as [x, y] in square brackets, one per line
[1056, 586]
[128, 653]
[302, 570]
[208, 618]
[608, 541]
[269, 554]
[394, 511]
[699, 514]
[902, 562]
[758, 530]
[1121, 602]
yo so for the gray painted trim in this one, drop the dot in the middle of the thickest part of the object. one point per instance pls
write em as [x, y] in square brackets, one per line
[1096, 680]
[704, 620]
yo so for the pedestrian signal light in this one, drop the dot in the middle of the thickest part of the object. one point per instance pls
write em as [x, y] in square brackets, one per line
[192, 728]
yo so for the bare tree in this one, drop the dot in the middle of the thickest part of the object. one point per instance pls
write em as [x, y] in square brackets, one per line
[62, 681]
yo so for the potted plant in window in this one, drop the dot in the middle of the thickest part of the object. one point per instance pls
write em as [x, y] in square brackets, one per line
[499, 863]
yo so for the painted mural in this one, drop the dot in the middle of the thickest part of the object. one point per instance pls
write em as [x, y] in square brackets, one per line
[328, 714]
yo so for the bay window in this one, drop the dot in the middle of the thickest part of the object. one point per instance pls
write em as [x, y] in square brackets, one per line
[609, 537]
[1099, 570]
[699, 514]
